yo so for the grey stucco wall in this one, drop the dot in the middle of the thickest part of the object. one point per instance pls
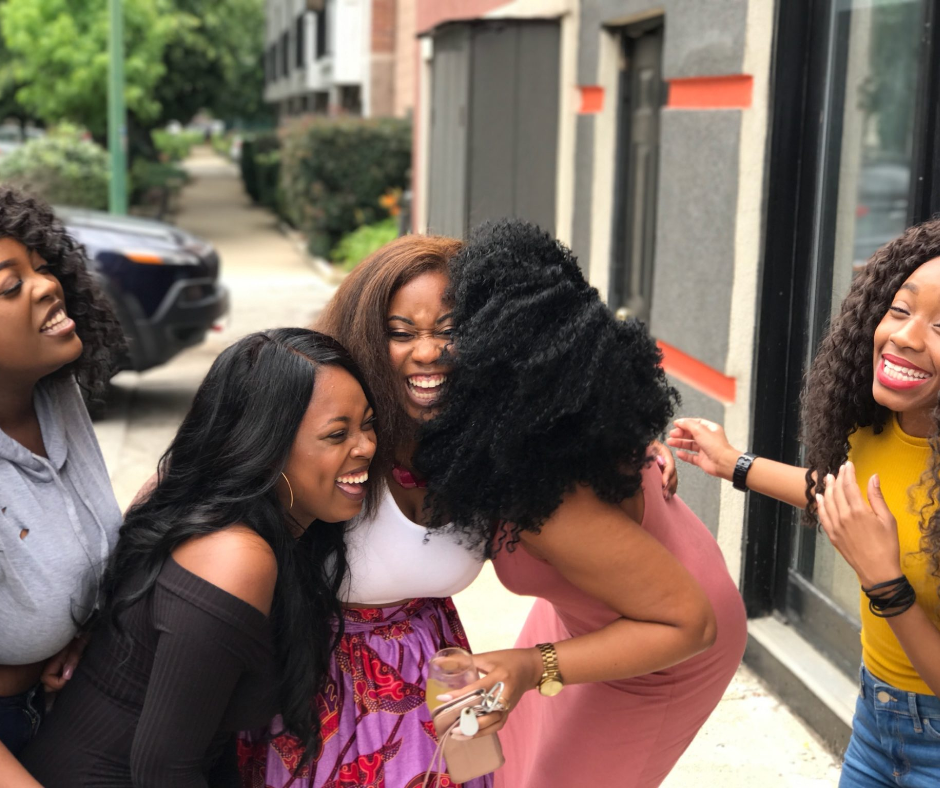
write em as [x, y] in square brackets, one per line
[700, 492]
[698, 194]
[703, 37]
[695, 229]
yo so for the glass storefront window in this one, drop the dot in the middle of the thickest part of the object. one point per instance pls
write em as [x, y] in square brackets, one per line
[863, 192]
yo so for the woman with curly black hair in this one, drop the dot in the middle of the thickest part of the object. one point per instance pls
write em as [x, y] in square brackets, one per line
[539, 452]
[58, 515]
[871, 427]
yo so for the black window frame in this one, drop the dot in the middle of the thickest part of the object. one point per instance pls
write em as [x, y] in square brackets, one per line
[323, 39]
[788, 304]
[285, 53]
[300, 40]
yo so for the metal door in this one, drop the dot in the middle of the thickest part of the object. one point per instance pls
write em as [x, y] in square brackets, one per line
[447, 165]
[514, 99]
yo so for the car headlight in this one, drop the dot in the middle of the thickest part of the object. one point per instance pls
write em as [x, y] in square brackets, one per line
[165, 258]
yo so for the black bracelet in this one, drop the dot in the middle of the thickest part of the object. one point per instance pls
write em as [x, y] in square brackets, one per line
[741, 467]
[891, 598]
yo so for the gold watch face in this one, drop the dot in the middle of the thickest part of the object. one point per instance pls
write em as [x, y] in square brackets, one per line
[551, 687]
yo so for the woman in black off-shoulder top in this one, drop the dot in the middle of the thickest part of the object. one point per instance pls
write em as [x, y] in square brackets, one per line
[221, 590]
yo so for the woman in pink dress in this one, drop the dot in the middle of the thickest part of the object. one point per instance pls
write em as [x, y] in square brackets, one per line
[540, 452]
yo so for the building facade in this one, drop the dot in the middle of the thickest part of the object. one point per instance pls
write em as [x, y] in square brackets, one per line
[721, 168]
[340, 57]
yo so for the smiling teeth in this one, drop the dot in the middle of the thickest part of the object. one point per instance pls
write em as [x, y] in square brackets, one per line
[430, 382]
[358, 478]
[56, 319]
[903, 373]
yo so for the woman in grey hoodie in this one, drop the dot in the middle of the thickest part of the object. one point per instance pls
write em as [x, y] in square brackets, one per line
[58, 515]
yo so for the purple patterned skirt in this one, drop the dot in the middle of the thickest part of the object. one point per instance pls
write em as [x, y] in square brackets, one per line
[376, 728]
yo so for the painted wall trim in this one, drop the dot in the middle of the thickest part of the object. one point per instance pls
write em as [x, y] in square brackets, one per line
[735, 91]
[592, 99]
[703, 378]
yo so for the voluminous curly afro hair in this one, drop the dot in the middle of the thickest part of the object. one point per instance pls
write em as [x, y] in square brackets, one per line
[837, 399]
[32, 223]
[548, 390]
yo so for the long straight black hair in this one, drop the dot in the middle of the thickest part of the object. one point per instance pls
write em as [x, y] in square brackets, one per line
[222, 468]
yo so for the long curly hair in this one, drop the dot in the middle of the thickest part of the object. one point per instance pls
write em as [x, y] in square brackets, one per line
[32, 223]
[357, 316]
[837, 398]
[222, 468]
[548, 390]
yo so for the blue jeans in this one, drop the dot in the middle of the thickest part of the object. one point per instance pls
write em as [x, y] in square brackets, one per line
[20, 716]
[895, 738]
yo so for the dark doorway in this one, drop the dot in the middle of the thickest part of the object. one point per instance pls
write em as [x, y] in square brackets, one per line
[641, 95]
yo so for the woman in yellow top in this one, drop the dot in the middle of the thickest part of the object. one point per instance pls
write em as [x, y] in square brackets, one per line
[871, 427]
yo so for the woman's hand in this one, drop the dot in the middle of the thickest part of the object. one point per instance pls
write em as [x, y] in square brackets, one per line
[865, 536]
[518, 668]
[667, 464]
[704, 443]
[59, 669]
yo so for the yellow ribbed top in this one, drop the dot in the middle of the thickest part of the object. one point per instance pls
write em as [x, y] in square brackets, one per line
[899, 460]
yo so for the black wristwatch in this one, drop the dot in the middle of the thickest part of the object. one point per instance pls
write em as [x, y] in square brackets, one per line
[741, 467]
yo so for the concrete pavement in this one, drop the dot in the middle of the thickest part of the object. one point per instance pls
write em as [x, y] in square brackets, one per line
[751, 739]
[271, 285]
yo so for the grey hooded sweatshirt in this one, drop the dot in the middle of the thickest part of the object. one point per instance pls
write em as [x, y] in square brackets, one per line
[59, 521]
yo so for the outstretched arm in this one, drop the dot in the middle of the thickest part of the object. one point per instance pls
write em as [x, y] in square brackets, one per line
[703, 443]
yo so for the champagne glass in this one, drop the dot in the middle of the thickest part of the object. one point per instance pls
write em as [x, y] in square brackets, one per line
[449, 669]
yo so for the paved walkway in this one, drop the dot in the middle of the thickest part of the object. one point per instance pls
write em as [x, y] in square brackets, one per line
[751, 740]
[271, 284]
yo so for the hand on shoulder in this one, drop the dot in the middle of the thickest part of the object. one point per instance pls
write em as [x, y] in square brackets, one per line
[237, 560]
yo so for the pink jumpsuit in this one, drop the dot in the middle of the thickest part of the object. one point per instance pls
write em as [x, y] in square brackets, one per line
[627, 733]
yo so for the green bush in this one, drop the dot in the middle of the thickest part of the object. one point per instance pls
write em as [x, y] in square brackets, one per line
[268, 174]
[253, 147]
[334, 172]
[155, 185]
[61, 168]
[222, 143]
[175, 147]
[356, 246]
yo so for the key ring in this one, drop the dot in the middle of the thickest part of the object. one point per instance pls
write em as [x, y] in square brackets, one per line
[492, 700]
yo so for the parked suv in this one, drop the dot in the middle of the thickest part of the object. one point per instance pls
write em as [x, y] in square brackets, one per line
[163, 282]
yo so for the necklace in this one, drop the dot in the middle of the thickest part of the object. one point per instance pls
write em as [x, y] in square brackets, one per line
[407, 479]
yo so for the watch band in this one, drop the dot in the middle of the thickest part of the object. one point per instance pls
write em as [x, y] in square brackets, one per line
[551, 682]
[741, 467]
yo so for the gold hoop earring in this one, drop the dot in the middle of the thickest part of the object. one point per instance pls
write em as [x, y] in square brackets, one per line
[291, 491]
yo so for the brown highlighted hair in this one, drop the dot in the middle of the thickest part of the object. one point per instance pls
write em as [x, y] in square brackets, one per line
[357, 316]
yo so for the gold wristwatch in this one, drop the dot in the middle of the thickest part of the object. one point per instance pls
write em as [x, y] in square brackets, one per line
[551, 682]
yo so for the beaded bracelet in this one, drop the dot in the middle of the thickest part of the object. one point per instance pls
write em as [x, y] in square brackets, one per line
[891, 598]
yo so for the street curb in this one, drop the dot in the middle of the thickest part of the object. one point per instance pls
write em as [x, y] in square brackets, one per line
[327, 272]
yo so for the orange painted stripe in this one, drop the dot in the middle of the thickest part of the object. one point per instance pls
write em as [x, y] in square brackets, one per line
[592, 99]
[698, 375]
[727, 92]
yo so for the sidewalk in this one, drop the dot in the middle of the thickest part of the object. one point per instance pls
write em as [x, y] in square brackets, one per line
[750, 740]
[271, 284]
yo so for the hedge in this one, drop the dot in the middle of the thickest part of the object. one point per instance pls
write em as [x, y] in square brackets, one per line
[252, 174]
[334, 172]
[61, 168]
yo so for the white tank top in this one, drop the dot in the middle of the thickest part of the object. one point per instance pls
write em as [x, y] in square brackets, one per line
[392, 558]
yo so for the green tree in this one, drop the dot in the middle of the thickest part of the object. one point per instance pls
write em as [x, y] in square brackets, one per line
[10, 107]
[60, 57]
[214, 61]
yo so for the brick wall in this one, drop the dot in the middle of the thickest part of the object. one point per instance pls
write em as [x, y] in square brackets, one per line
[406, 57]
